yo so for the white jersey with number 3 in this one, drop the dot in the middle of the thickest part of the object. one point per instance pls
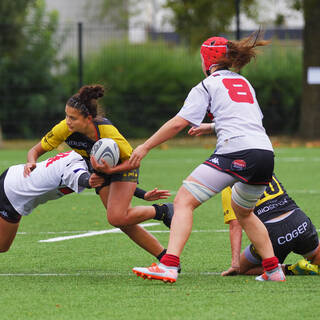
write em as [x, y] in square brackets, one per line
[50, 180]
[231, 100]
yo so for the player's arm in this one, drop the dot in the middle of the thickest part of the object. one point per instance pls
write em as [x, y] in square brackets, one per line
[34, 153]
[166, 132]
[105, 168]
[151, 195]
[204, 128]
[235, 232]
[235, 243]
[87, 180]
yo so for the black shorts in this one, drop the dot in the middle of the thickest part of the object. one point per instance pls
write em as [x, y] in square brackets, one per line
[127, 176]
[295, 234]
[7, 211]
[252, 166]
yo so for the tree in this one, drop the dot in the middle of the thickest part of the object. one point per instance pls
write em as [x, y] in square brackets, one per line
[310, 107]
[13, 16]
[30, 92]
[198, 20]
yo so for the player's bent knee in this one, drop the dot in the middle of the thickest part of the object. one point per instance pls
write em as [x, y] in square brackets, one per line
[246, 196]
[199, 191]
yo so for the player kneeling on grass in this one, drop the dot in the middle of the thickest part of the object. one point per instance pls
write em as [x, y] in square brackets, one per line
[289, 228]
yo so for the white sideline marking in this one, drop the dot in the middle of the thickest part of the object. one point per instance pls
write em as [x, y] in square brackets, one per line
[92, 233]
[173, 193]
[77, 274]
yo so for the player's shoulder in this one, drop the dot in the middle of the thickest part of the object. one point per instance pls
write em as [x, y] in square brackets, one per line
[102, 122]
[61, 128]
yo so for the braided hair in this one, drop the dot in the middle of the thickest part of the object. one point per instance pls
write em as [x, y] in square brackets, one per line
[85, 100]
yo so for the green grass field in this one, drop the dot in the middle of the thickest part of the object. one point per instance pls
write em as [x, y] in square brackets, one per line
[91, 277]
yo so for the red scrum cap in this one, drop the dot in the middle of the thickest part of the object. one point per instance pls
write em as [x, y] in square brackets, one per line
[212, 50]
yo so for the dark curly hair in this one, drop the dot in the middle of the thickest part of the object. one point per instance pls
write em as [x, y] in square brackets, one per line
[85, 100]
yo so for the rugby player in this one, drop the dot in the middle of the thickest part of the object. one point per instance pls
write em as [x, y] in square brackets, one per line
[243, 157]
[53, 178]
[289, 228]
[83, 126]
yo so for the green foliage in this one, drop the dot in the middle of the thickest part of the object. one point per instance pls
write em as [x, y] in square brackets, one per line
[13, 15]
[31, 91]
[147, 84]
[277, 77]
[198, 20]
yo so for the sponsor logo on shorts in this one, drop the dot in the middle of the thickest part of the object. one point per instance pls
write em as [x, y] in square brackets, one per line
[4, 213]
[238, 165]
[214, 160]
[302, 228]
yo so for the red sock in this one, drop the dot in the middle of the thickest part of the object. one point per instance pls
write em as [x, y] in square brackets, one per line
[170, 260]
[270, 263]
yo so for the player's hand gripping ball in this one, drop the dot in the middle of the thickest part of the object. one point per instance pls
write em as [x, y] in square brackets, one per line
[106, 149]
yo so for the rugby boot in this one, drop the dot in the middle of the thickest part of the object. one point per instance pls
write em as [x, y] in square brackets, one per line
[304, 267]
[273, 275]
[157, 272]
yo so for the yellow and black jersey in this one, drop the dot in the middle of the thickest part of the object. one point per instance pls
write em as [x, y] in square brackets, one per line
[228, 213]
[274, 202]
[81, 143]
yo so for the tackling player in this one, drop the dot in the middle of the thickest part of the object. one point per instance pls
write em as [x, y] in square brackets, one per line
[289, 228]
[243, 157]
[81, 128]
[53, 178]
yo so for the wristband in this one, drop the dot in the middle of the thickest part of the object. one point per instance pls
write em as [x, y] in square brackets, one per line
[213, 126]
[139, 193]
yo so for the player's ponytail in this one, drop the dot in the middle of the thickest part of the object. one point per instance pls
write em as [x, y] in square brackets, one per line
[240, 53]
[85, 100]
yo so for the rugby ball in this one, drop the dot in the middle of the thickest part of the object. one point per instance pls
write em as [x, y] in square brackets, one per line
[106, 149]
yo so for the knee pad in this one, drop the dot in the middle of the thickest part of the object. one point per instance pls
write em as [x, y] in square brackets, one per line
[199, 191]
[246, 195]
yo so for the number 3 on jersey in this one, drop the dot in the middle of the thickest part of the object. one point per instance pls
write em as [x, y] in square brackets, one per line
[238, 90]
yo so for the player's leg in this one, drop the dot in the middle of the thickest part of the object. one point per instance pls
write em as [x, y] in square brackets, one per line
[180, 230]
[119, 211]
[249, 264]
[135, 232]
[244, 198]
[315, 256]
[8, 231]
[197, 188]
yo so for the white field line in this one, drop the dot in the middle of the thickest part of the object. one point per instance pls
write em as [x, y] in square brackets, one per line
[92, 233]
[173, 193]
[77, 274]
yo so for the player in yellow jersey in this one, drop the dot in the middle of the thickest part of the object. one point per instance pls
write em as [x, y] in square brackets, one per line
[81, 128]
[289, 228]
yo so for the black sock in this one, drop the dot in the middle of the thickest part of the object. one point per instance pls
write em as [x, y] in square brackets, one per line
[288, 272]
[162, 254]
[161, 210]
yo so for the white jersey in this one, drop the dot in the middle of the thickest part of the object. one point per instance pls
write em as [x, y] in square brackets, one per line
[50, 180]
[231, 100]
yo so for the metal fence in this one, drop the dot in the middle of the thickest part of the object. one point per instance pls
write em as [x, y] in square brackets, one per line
[78, 41]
